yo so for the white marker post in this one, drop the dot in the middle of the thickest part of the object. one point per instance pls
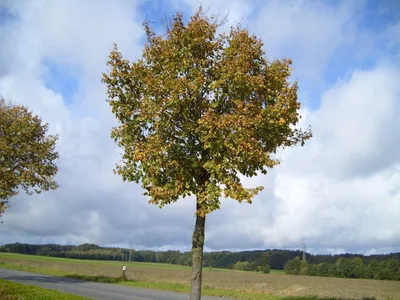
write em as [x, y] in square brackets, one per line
[124, 271]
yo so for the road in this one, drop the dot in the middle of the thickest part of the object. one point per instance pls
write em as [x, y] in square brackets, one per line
[94, 290]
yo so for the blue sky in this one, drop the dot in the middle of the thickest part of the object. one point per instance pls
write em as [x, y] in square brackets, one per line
[61, 78]
[373, 18]
[346, 58]
[6, 15]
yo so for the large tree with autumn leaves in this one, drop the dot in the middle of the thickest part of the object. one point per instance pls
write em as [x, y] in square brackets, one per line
[27, 153]
[198, 109]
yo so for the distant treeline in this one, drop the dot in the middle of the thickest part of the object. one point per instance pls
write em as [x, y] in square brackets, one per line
[347, 268]
[244, 260]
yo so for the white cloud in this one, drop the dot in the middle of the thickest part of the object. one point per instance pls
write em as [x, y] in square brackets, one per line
[341, 190]
[358, 123]
[236, 11]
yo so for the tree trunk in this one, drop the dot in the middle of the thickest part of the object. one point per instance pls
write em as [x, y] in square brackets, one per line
[197, 257]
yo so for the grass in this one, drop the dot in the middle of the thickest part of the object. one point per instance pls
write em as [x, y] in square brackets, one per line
[185, 289]
[95, 262]
[102, 279]
[16, 291]
[228, 283]
[115, 263]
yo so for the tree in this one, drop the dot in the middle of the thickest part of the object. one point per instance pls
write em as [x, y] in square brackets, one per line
[304, 268]
[385, 274]
[266, 269]
[197, 110]
[292, 267]
[373, 269]
[242, 266]
[253, 266]
[278, 259]
[393, 265]
[27, 153]
[359, 268]
[331, 270]
[264, 259]
[341, 267]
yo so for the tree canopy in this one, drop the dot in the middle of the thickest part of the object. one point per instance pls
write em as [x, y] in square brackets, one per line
[200, 108]
[348, 267]
[27, 153]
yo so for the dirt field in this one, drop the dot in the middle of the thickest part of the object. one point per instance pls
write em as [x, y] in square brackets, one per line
[252, 282]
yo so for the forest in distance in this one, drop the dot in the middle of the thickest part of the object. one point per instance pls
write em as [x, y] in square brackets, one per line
[379, 266]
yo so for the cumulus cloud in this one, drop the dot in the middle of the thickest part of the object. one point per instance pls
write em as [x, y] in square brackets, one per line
[361, 114]
[340, 191]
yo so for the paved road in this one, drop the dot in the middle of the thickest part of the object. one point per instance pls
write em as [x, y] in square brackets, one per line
[94, 290]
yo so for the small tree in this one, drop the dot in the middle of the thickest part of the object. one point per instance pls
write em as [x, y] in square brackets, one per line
[292, 267]
[393, 265]
[27, 154]
[359, 268]
[196, 111]
[253, 266]
[385, 274]
[304, 268]
[331, 270]
[373, 269]
[341, 268]
[266, 269]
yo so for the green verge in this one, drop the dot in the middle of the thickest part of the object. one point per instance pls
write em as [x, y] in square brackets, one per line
[17, 291]
[174, 287]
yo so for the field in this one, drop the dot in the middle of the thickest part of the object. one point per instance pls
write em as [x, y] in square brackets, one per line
[240, 284]
[15, 291]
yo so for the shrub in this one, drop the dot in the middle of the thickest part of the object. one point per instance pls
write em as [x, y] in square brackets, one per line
[266, 269]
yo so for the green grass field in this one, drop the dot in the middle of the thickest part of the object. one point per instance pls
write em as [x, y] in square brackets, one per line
[15, 291]
[216, 282]
[115, 263]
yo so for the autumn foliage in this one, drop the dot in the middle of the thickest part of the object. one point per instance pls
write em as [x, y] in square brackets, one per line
[27, 153]
[198, 109]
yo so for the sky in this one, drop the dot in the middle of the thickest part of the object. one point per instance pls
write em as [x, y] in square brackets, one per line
[340, 192]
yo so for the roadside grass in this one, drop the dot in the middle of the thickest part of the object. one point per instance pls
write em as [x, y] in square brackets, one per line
[16, 291]
[37, 270]
[103, 279]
